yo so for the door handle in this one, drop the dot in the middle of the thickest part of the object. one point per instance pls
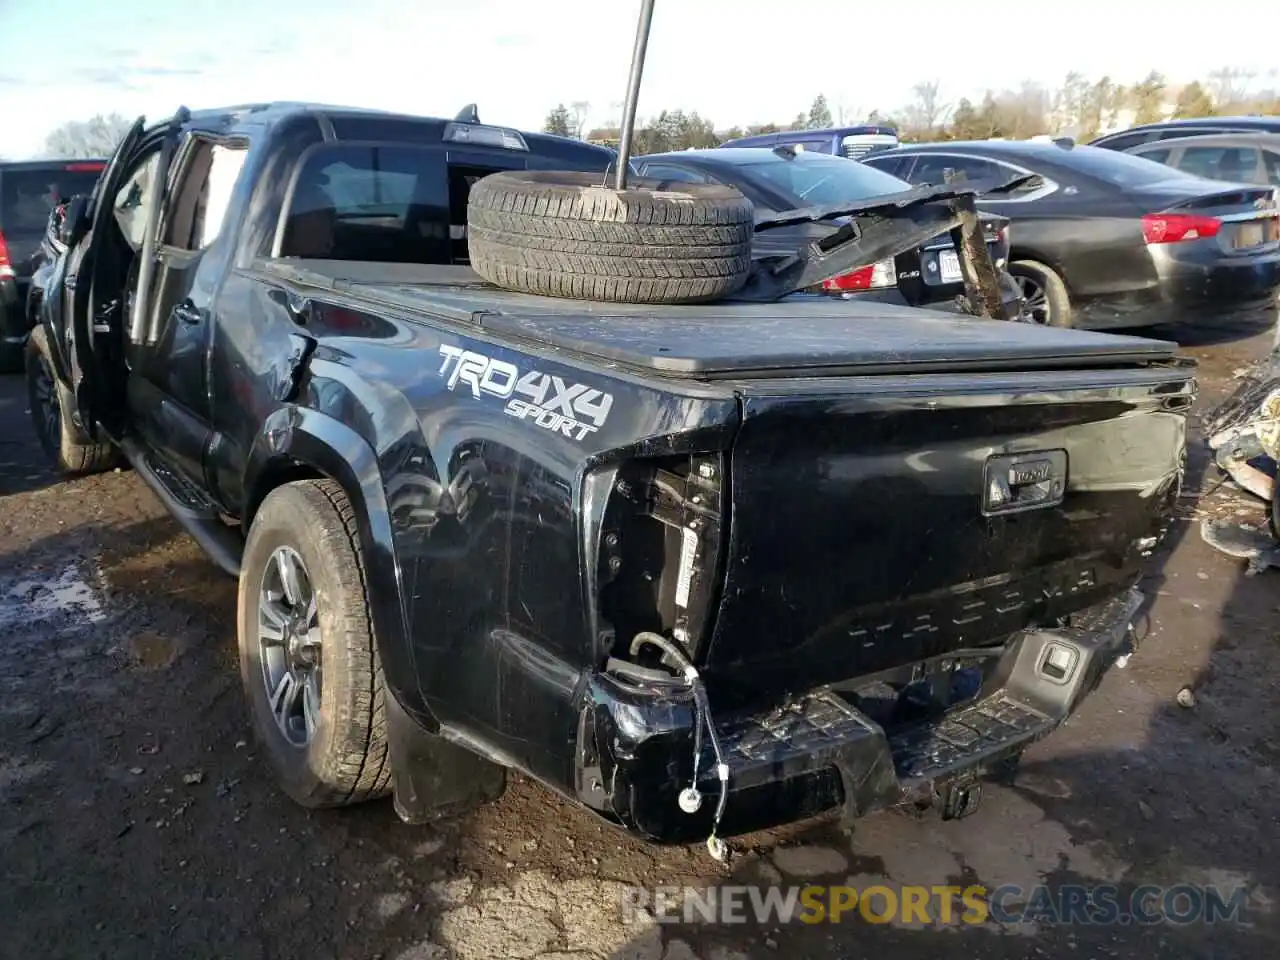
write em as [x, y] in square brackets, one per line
[188, 313]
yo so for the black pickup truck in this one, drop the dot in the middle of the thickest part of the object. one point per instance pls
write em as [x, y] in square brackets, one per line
[698, 566]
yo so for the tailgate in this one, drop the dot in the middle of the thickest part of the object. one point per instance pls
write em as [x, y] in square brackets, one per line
[878, 521]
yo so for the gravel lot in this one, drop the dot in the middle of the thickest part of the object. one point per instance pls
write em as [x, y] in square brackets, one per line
[136, 821]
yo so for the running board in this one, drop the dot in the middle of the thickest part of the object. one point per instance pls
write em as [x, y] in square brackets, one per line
[190, 507]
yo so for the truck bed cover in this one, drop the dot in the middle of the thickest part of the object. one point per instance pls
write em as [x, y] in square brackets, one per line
[729, 339]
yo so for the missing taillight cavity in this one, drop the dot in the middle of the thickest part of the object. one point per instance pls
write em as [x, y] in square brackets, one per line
[1178, 227]
[660, 550]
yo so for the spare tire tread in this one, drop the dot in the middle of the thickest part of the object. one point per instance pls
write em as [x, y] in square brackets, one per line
[614, 290]
[631, 261]
[585, 231]
[566, 235]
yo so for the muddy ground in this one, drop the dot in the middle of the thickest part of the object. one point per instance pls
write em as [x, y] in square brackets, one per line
[136, 820]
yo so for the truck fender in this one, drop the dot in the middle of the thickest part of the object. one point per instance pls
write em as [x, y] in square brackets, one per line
[294, 442]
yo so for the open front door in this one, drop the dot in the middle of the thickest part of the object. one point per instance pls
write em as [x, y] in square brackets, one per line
[86, 343]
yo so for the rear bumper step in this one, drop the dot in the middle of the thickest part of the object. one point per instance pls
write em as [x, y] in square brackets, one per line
[819, 750]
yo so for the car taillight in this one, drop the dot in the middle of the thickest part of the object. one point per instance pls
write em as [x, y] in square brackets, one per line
[1177, 227]
[6, 267]
[874, 277]
[84, 167]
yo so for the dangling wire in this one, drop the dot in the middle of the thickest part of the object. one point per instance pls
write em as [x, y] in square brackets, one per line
[691, 798]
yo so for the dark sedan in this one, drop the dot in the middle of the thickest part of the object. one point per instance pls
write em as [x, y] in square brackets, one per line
[1103, 239]
[784, 179]
[28, 192]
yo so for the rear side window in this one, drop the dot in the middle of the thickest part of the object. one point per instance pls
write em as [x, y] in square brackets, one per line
[1221, 163]
[388, 203]
[894, 166]
[668, 171]
[1159, 155]
[1271, 162]
[1125, 141]
[808, 146]
[27, 196]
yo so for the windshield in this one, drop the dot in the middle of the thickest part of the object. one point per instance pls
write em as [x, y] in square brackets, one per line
[1119, 169]
[812, 180]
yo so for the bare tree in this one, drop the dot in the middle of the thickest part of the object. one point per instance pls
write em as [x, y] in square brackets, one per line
[1229, 87]
[927, 111]
[579, 111]
[96, 137]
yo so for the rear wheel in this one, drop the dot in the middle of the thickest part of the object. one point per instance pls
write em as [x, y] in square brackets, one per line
[51, 402]
[1044, 293]
[308, 657]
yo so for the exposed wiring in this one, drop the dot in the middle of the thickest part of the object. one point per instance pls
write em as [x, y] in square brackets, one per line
[691, 798]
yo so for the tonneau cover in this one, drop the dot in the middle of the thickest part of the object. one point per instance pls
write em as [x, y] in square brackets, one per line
[729, 339]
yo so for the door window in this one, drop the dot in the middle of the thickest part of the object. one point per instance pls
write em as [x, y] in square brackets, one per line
[199, 206]
[940, 169]
[1239, 164]
[136, 198]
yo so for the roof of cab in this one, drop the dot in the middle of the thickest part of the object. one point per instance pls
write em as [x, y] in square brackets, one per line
[333, 116]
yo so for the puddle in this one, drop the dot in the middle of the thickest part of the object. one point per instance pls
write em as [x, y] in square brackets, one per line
[67, 595]
[151, 651]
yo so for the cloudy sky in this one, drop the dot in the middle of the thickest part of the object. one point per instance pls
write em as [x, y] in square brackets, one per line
[736, 61]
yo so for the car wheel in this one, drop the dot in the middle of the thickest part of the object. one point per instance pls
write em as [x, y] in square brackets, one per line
[1044, 293]
[51, 404]
[566, 235]
[308, 654]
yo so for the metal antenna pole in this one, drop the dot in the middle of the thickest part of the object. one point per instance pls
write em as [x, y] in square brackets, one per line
[633, 94]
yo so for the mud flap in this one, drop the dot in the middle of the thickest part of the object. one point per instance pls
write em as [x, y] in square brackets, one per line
[432, 778]
[867, 777]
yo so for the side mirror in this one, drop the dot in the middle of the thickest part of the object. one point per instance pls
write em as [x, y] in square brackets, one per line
[75, 221]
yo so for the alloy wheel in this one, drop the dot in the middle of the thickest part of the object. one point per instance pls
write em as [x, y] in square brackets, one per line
[45, 406]
[289, 645]
[1034, 298]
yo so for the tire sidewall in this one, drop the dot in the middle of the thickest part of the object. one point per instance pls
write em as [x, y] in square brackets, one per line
[38, 362]
[1055, 290]
[287, 519]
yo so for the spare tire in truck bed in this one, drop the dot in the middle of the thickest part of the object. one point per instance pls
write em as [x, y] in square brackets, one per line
[564, 234]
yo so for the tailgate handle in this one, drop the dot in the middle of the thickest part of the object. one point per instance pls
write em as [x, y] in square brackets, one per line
[1016, 482]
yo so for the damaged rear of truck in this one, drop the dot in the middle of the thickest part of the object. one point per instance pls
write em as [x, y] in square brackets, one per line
[702, 567]
[732, 565]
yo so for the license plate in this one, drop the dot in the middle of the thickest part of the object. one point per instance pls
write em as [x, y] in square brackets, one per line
[949, 266]
[1248, 235]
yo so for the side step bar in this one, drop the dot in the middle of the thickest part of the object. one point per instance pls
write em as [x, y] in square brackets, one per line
[189, 506]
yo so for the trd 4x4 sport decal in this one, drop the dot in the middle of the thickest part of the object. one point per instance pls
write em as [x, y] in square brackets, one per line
[571, 409]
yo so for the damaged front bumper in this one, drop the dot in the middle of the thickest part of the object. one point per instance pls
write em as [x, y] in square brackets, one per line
[636, 743]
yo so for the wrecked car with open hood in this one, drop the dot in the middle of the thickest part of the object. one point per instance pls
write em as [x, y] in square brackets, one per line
[700, 565]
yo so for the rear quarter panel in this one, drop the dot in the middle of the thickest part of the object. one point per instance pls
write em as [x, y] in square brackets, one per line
[1092, 238]
[483, 486]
